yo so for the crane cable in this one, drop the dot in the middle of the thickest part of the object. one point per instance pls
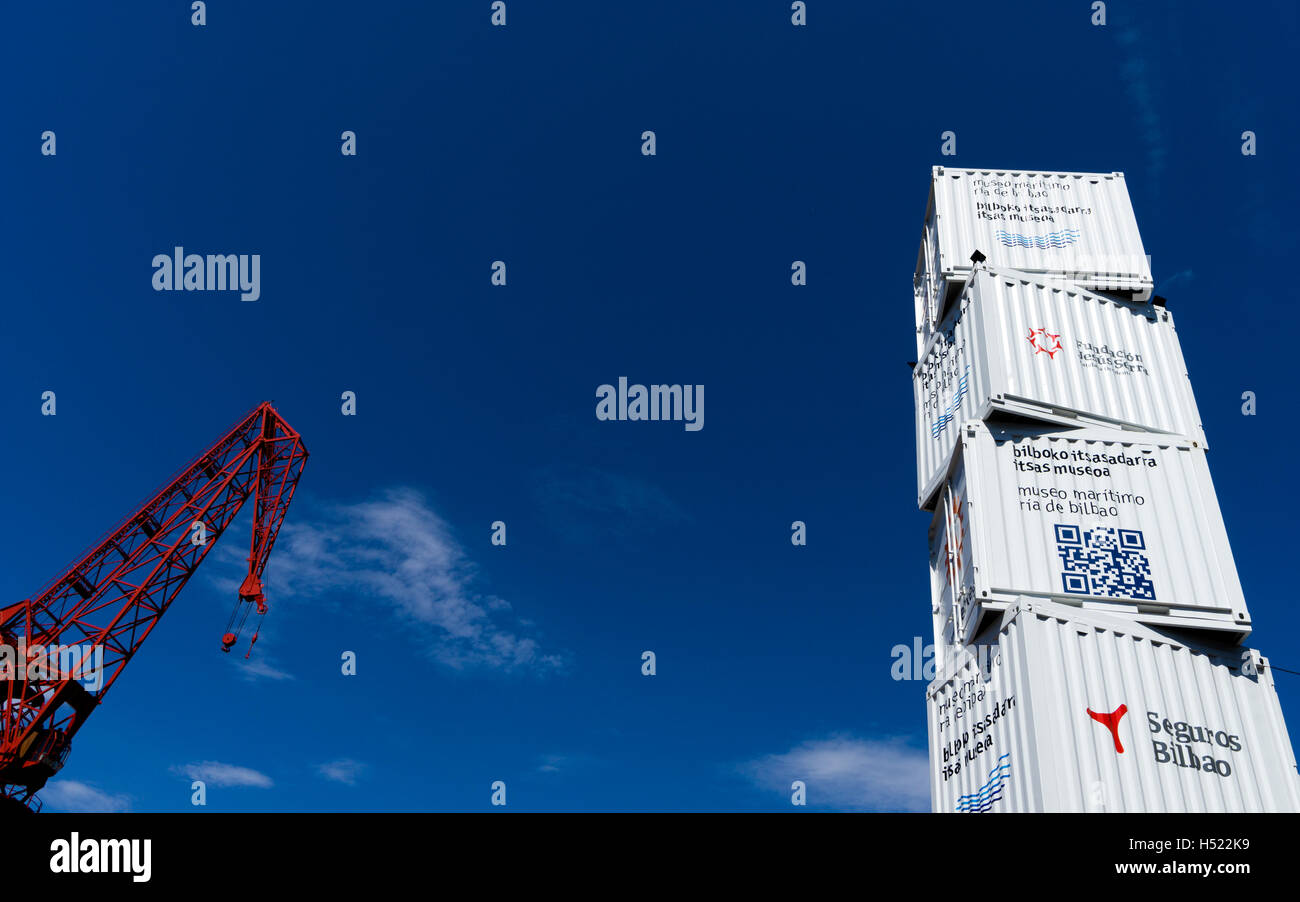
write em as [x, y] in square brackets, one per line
[237, 631]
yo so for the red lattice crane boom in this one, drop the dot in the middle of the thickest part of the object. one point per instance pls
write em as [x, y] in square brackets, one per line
[113, 596]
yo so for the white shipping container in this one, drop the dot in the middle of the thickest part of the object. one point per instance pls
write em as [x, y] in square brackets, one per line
[1076, 225]
[1064, 710]
[1058, 353]
[1093, 518]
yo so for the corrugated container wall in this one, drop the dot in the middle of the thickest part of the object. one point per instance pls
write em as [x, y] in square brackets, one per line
[1012, 345]
[1063, 710]
[1076, 225]
[1094, 518]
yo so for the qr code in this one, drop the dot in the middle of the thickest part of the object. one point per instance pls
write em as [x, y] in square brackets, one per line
[1104, 561]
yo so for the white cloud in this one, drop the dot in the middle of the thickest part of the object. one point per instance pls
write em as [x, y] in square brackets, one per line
[70, 795]
[552, 764]
[587, 505]
[398, 551]
[215, 773]
[344, 770]
[255, 667]
[1142, 88]
[848, 773]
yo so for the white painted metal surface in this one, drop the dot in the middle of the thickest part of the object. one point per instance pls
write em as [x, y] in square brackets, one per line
[1099, 519]
[1076, 225]
[1013, 345]
[1197, 728]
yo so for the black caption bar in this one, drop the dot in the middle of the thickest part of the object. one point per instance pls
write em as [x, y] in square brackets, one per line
[608, 851]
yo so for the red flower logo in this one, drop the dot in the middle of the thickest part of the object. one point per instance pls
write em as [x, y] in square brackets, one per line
[1044, 342]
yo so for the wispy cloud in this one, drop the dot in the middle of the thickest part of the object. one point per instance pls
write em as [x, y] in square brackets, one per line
[1142, 88]
[261, 668]
[397, 551]
[582, 503]
[70, 795]
[553, 764]
[344, 770]
[1182, 276]
[849, 773]
[215, 773]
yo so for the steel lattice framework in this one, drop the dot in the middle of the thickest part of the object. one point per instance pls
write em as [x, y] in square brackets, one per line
[114, 594]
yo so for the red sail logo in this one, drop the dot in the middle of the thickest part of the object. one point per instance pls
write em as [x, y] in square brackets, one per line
[1044, 342]
[1111, 722]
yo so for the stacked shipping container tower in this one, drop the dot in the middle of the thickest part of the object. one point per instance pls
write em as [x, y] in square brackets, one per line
[1088, 617]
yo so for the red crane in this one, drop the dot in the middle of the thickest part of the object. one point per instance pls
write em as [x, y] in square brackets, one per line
[113, 595]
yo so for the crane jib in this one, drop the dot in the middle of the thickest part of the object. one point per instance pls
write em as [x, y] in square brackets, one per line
[110, 602]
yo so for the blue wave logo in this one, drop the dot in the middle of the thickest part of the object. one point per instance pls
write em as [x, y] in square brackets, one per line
[981, 801]
[1063, 238]
[950, 413]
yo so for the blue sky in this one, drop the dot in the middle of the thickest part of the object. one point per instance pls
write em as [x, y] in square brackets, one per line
[475, 403]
